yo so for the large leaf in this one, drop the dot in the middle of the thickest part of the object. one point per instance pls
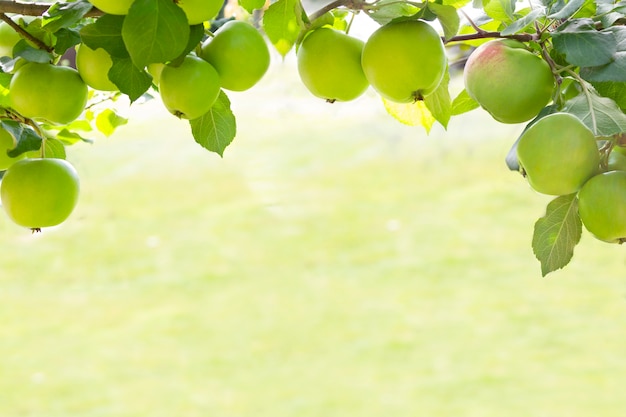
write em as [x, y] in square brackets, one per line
[557, 233]
[600, 114]
[282, 22]
[106, 33]
[217, 128]
[155, 31]
[251, 5]
[614, 91]
[615, 70]
[583, 45]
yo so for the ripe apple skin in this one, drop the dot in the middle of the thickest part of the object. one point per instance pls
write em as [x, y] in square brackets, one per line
[39, 192]
[239, 54]
[47, 91]
[189, 90]
[199, 11]
[118, 7]
[602, 206]
[404, 61]
[558, 154]
[7, 143]
[329, 64]
[508, 81]
[8, 39]
[93, 67]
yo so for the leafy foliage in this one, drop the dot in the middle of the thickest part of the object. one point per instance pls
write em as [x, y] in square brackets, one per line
[582, 41]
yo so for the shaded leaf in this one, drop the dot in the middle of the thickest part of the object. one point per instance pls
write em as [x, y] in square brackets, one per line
[217, 128]
[64, 15]
[131, 80]
[568, 9]
[26, 138]
[557, 233]
[155, 31]
[106, 33]
[583, 45]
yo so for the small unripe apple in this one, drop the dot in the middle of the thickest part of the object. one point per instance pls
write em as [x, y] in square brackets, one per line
[509, 81]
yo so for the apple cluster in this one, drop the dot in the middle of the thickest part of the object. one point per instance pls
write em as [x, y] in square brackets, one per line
[404, 61]
[557, 153]
[39, 191]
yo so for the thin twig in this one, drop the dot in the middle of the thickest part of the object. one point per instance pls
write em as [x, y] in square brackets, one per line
[35, 9]
[23, 33]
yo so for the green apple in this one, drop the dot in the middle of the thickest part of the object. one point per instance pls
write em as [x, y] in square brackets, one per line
[558, 154]
[602, 206]
[39, 192]
[155, 70]
[7, 143]
[46, 91]
[119, 7]
[93, 67]
[239, 54]
[8, 38]
[617, 160]
[404, 61]
[329, 64]
[190, 89]
[199, 11]
[508, 81]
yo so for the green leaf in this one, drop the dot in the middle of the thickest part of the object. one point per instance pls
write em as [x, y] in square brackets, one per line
[463, 103]
[155, 31]
[217, 128]
[412, 114]
[25, 50]
[69, 137]
[500, 10]
[66, 38]
[609, 11]
[107, 121]
[603, 117]
[439, 103]
[282, 22]
[387, 10]
[457, 4]
[583, 45]
[251, 5]
[557, 233]
[64, 15]
[196, 33]
[131, 80]
[27, 139]
[615, 70]
[448, 18]
[54, 149]
[521, 24]
[568, 10]
[106, 33]
[614, 91]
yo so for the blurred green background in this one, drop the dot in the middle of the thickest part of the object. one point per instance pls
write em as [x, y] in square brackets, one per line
[334, 263]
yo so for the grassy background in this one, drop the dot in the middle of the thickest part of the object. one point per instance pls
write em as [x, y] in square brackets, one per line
[334, 263]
